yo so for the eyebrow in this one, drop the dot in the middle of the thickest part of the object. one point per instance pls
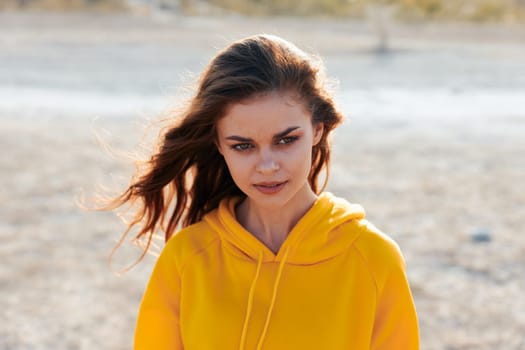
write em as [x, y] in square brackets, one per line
[276, 136]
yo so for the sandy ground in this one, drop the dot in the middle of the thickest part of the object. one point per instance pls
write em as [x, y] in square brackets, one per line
[431, 184]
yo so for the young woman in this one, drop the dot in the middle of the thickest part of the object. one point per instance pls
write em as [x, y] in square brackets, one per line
[264, 259]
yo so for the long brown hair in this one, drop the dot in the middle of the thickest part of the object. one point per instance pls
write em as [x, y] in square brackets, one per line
[187, 177]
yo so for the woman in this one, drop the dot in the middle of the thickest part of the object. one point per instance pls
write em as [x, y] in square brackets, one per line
[264, 260]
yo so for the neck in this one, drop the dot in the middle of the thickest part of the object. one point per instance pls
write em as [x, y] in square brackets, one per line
[271, 225]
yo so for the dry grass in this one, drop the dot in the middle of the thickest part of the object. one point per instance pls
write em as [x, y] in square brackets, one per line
[473, 10]
[509, 11]
[65, 5]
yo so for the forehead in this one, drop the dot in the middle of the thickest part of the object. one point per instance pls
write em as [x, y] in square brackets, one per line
[268, 113]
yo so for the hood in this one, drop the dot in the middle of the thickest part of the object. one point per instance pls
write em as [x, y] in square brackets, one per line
[314, 238]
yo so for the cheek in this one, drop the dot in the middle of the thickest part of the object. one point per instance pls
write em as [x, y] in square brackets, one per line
[238, 166]
[300, 159]
[302, 153]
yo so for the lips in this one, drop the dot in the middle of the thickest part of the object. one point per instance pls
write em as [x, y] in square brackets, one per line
[270, 187]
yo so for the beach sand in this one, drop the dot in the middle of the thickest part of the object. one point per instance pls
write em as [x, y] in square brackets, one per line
[438, 187]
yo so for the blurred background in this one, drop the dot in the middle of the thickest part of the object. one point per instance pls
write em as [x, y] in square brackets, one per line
[433, 147]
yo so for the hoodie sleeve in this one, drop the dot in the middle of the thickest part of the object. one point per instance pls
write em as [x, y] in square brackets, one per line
[395, 322]
[395, 325]
[157, 324]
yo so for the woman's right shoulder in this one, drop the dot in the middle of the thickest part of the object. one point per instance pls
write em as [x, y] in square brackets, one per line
[190, 241]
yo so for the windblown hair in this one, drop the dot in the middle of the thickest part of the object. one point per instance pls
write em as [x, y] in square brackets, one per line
[187, 177]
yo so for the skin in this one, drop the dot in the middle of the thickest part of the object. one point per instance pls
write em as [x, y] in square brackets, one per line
[267, 143]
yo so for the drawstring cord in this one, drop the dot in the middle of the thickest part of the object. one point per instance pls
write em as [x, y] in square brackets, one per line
[250, 301]
[274, 296]
[272, 303]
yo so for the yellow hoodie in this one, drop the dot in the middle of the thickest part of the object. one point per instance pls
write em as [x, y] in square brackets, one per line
[336, 283]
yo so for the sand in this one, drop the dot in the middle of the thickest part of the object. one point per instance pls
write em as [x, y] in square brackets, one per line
[433, 183]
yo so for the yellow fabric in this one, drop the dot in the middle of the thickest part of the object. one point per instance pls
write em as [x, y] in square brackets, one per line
[337, 282]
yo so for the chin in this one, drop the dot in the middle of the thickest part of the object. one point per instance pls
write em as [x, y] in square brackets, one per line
[273, 200]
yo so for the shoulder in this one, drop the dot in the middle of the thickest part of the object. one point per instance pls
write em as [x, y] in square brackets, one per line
[188, 242]
[379, 251]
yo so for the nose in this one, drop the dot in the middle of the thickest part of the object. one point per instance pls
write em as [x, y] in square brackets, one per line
[267, 162]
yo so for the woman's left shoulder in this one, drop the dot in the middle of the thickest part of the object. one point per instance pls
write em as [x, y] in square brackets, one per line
[377, 248]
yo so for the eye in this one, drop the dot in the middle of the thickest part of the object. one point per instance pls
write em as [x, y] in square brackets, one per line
[241, 146]
[287, 140]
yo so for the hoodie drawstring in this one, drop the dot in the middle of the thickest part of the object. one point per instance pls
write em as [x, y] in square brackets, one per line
[272, 303]
[250, 301]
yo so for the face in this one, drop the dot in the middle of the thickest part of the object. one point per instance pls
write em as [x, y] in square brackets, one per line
[267, 143]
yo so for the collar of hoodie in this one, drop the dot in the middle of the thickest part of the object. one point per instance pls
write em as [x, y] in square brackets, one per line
[316, 237]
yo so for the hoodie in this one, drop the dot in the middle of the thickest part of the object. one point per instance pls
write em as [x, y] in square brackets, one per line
[336, 282]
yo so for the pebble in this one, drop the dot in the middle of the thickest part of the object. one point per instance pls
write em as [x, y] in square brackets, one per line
[481, 236]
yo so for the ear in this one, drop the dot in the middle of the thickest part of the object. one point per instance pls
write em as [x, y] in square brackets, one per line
[318, 133]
